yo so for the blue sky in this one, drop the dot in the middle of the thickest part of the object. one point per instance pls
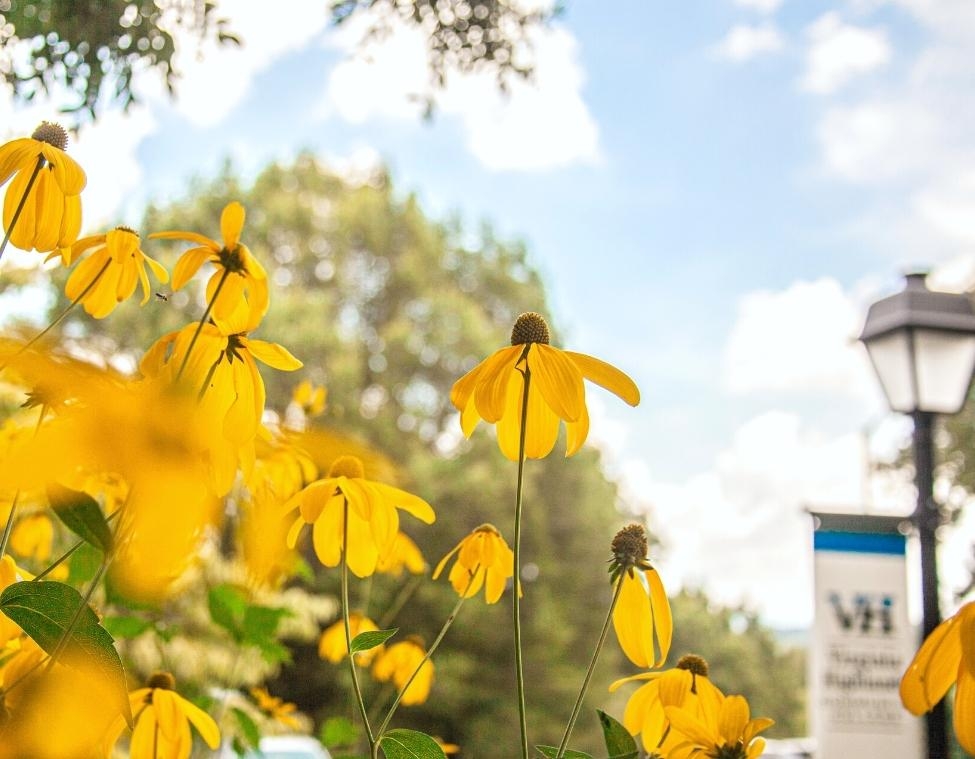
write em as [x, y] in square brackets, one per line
[714, 190]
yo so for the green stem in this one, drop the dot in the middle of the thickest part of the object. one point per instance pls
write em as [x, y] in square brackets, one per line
[373, 743]
[203, 320]
[23, 200]
[592, 668]
[206, 380]
[67, 554]
[516, 605]
[8, 528]
[427, 656]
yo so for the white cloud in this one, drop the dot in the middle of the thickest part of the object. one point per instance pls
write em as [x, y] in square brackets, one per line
[799, 340]
[538, 125]
[839, 52]
[108, 150]
[912, 140]
[762, 6]
[743, 42]
[215, 78]
[738, 528]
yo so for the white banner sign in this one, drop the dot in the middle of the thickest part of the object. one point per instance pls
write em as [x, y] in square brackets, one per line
[862, 643]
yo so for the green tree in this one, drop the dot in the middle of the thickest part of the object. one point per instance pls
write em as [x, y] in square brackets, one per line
[94, 48]
[388, 308]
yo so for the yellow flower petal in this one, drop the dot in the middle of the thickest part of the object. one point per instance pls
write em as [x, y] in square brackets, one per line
[273, 355]
[934, 668]
[558, 380]
[606, 376]
[492, 394]
[231, 223]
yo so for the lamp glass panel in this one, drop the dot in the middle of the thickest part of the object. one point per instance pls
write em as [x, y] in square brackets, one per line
[945, 361]
[891, 357]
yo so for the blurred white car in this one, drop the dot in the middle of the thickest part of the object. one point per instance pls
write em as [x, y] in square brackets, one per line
[283, 747]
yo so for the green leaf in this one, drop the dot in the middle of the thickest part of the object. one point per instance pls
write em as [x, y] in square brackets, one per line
[125, 627]
[83, 564]
[337, 732]
[261, 622]
[409, 744]
[367, 640]
[44, 610]
[227, 609]
[82, 515]
[249, 730]
[552, 751]
[619, 742]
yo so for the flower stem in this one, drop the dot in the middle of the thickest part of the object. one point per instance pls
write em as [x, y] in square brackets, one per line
[592, 667]
[373, 743]
[60, 317]
[203, 320]
[66, 635]
[427, 656]
[516, 595]
[23, 200]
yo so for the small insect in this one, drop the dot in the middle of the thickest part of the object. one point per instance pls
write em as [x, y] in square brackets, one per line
[163, 297]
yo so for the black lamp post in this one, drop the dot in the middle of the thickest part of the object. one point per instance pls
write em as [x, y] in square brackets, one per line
[922, 346]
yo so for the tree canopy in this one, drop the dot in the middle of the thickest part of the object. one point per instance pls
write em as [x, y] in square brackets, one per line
[94, 50]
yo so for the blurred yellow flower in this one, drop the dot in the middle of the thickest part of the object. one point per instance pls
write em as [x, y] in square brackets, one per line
[50, 218]
[332, 647]
[447, 748]
[222, 371]
[32, 537]
[946, 657]
[110, 273]
[9, 574]
[309, 398]
[373, 515]
[398, 662]
[61, 713]
[404, 554]
[724, 733]
[494, 390]
[642, 615]
[162, 722]
[242, 281]
[483, 559]
[262, 540]
[686, 686]
[276, 708]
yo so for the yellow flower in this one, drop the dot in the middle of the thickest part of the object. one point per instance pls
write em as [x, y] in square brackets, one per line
[274, 707]
[724, 733]
[447, 748]
[642, 612]
[947, 656]
[494, 390]
[32, 537]
[222, 371]
[109, 275]
[9, 574]
[398, 663]
[404, 554]
[483, 558]
[162, 722]
[310, 399]
[373, 516]
[686, 686]
[243, 296]
[51, 215]
[332, 647]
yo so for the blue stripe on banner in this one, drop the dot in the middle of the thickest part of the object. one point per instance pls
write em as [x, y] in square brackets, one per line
[859, 542]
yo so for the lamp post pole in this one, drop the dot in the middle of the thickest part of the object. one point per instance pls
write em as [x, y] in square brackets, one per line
[927, 518]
